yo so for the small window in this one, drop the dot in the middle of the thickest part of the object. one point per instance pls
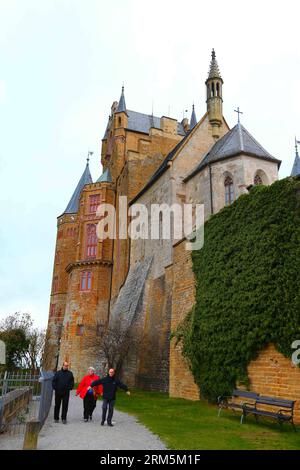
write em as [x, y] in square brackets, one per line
[160, 228]
[120, 121]
[57, 257]
[229, 190]
[79, 330]
[55, 285]
[257, 180]
[100, 328]
[52, 310]
[71, 232]
[91, 241]
[94, 202]
[86, 281]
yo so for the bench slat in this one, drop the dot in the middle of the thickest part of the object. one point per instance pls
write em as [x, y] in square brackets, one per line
[244, 394]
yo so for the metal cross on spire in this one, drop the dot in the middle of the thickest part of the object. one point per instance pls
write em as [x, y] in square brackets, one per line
[239, 112]
[89, 155]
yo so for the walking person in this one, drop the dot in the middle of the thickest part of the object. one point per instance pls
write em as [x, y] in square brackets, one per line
[62, 383]
[89, 395]
[110, 384]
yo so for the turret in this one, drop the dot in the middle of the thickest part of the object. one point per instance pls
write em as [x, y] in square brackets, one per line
[121, 116]
[214, 100]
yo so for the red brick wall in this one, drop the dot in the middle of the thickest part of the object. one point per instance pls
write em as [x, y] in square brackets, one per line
[272, 374]
[181, 382]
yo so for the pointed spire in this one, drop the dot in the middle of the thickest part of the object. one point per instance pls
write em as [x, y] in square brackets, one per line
[122, 104]
[86, 178]
[296, 166]
[105, 177]
[193, 121]
[214, 71]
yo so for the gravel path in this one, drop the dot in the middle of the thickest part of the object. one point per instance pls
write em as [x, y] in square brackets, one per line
[127, 433]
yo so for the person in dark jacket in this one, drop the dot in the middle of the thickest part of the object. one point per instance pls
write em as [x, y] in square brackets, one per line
[110, 384]
[62, 383]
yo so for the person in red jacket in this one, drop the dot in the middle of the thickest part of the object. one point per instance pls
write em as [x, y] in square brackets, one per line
[89, 396]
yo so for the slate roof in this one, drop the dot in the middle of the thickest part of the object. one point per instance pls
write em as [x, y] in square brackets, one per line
[296, 166]
[105, 177]
[140, 122]
[122, 103]
[73, 205]
[193, 121]
[237, 141]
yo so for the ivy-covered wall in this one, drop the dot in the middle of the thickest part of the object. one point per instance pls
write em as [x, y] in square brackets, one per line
[247, 287]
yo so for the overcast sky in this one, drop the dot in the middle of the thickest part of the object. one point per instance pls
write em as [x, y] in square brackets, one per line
[62, 64]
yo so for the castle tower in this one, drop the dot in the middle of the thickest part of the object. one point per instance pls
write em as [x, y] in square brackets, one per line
[65, 253]
[89, 277]
[214, 84]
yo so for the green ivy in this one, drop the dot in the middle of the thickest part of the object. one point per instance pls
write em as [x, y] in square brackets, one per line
[247, 287]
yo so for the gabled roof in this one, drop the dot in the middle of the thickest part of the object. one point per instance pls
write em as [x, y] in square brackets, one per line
[73, 205]
[237, 141]
[105, 177]
[296, 166]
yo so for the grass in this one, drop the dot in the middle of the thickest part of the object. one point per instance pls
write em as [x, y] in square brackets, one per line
[187, 425]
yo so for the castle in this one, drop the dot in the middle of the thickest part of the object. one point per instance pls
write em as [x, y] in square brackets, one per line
[149, 283]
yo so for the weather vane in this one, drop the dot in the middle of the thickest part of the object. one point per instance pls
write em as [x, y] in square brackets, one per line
[89, 155]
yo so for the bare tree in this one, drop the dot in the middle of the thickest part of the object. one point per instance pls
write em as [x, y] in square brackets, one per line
[33, 355]
[113, 343]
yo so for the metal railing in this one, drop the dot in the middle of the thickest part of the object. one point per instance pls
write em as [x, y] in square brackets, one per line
[46, 396]
[33, 411]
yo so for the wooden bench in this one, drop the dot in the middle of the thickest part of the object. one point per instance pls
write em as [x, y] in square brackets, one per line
[236, 400]
[268, 408]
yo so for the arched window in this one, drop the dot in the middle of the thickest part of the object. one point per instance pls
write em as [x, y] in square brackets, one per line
[86, 281]
[229, 190]
[258, 179]
[160, 228]
[208, 91]
[91, 241]
[218, 89]
[212, 89]
[79, 330]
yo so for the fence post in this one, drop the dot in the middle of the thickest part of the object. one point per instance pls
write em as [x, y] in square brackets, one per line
[4, 385]
[31, 435]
